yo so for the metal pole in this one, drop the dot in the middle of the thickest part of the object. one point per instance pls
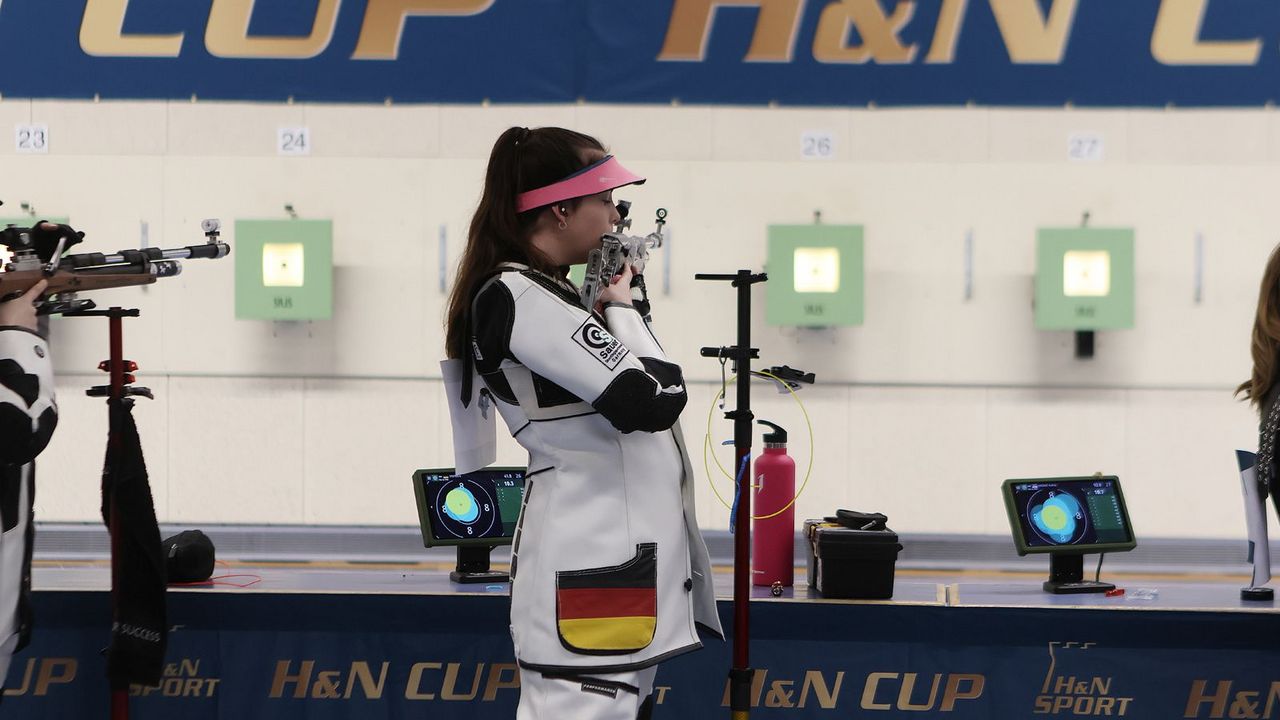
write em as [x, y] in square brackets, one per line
[740, 673]
[119, 695]
[740, 706]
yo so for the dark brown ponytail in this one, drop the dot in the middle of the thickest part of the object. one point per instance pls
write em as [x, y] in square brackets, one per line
[1265, 341]
[522, 160]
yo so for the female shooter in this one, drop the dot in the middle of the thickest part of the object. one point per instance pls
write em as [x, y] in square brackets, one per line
[1261, 387]
[609, 572]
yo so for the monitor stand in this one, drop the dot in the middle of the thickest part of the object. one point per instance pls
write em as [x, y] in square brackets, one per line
[1066, 576]
[473, 566]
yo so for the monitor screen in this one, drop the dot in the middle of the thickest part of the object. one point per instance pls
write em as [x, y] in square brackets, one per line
[478, 508]
[1075, 515]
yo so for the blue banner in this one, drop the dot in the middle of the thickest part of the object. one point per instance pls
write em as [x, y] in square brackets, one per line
[791, 52]
[449, 657]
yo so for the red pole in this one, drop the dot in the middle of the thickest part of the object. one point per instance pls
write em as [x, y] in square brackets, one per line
[119, 696]
[742, 564]
[117, 357]
[741, 674]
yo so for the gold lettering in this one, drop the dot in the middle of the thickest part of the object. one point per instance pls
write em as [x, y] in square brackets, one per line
[947, 33]
[954, 693]
[496, 683]
[1218, 700]
[1028, 35]
[774, 39]
[48, 676]
[661, 692]
[282, 678]
[193, 687]
[384, 23]
[908, 687]
[1273, 694]
[826, 699]
[227, 34]
[1098, 686]
[1064, 685]
[413, 691]
[327, 683]
[360, 671]
[878, 32]
[869, 691]
[213, 686]
[26, 680]
[1176, 39]
[102, 34]
[190, 668]
[448, 691]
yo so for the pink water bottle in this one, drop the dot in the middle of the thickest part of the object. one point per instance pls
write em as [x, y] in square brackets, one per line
[773, 538]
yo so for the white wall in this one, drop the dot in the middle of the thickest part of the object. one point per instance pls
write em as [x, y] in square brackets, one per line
[920, 413]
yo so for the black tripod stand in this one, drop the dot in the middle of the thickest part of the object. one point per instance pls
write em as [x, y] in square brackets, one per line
[740, 355]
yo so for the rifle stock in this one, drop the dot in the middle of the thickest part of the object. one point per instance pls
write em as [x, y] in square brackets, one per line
[13, 284]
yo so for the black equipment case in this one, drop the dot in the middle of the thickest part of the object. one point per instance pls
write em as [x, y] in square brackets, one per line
[852, 555]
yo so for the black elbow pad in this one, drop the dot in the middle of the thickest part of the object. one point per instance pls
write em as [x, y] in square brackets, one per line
[636, 401]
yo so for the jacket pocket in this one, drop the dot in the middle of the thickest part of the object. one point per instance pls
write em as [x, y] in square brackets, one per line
[609, 610]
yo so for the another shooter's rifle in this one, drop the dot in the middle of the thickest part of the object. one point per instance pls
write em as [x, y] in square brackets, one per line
[39, 254]
[616, 248]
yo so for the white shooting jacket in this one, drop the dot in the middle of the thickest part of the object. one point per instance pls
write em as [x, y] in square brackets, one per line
[609, 570]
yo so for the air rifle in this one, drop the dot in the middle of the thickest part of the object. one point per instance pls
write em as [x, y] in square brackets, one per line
[615, 249]
[40, 253]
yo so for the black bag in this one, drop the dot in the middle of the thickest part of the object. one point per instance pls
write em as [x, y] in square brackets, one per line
[188, 557]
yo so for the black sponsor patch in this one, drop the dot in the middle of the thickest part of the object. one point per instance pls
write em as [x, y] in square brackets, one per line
[604, 347]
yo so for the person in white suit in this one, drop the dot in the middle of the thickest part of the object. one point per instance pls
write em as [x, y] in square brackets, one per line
[28, 415]
[610, 575]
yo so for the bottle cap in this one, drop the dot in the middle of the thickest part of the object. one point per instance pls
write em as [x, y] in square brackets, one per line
[779, 435]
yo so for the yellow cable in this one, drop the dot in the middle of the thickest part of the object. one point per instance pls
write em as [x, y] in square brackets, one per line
[708, 448]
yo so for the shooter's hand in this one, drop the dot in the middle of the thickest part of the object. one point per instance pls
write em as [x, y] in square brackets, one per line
[21, 311]
[618, 291]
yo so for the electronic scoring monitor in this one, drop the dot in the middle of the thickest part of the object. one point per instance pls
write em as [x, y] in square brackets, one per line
[476, 511]
[1068, 517]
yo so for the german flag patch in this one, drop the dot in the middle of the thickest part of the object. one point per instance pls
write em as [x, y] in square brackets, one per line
[609, 610]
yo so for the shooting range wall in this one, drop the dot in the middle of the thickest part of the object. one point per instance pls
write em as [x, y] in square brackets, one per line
[919, 413]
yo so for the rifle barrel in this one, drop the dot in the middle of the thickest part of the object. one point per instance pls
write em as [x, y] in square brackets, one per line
[159, 268]
[211, 251]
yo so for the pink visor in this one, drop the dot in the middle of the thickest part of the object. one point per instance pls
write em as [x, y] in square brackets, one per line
[606, 174]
